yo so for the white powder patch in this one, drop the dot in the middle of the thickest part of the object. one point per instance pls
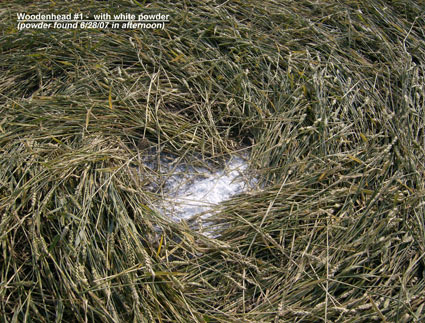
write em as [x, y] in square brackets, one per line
[189, 190]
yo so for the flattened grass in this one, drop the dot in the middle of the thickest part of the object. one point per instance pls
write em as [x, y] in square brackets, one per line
[329, 99]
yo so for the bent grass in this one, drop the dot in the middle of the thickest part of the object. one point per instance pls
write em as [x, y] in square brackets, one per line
[328, 97]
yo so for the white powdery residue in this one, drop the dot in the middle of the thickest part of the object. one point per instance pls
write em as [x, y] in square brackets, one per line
[194, 190]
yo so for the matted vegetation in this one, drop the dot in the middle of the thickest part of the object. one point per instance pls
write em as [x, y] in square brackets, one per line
[328, 97]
